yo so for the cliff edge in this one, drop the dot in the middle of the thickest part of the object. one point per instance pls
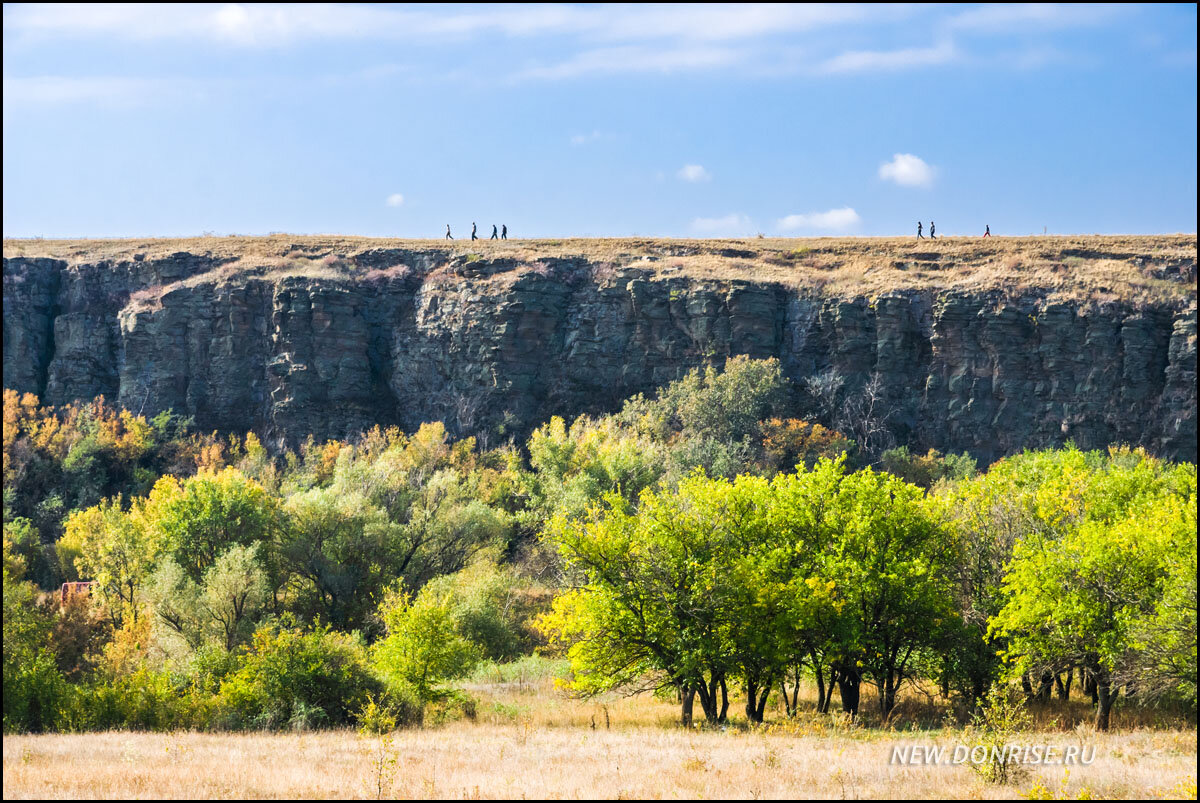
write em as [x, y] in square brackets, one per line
[983, 346]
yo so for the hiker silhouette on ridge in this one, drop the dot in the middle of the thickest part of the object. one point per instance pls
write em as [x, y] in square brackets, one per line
[919, 236]
[504, 232]
[987, 231]
[931, 231]
[493, 237]
[448, 237]
[473, 237]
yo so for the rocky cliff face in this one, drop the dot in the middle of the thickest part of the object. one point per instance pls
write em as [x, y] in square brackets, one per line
[406, 335]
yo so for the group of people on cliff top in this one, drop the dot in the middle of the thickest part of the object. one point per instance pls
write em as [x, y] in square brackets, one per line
[987, 231]
[502, 236]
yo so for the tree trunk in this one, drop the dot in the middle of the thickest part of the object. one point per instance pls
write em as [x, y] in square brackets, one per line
[708, 701]
[752, 701]
[977, 690]
[848, 682]
[887, 699]
[817, 672]
[724, 702]
[762, 702]
[1105, 699]
[1043, 692]
[688, 698]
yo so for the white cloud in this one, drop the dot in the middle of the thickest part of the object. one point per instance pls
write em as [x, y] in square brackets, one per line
[1032, 17]
[107, 91]
[907, 171]
[583, 139]
[732, 225]
[694, 173]
[889, 60]
[278, 23]
[833, 220]
[613, 60]
[395, 199]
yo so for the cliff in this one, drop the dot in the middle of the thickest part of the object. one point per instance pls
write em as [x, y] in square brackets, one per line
[984, 346]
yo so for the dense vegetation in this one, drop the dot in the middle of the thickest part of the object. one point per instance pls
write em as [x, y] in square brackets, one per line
[706, 543]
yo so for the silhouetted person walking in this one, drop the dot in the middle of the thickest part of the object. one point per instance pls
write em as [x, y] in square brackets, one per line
[494, 235]
[987, 231]
[931, 231]
[473, 237]
[448, 237]
[504, 232]
[919, 235]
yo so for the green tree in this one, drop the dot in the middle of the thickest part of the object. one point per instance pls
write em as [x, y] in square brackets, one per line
[341, 551]
[1079, 598]
[650, 603]
[35, 692]
[292, 678]
[890, 560]
[201, 517]
[1165, 660]
[424, 646]
[117, 551]
[573, 467]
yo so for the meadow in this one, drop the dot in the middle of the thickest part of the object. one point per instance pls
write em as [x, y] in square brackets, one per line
[531, 740]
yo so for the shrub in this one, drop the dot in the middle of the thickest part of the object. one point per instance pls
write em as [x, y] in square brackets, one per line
[925, 470]
[297, 679]
[398, 706]
[424, 647]
[144, 700]
[1003, 717]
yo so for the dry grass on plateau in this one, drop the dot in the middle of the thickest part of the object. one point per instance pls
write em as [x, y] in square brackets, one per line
[1092, 267]
[464, 760]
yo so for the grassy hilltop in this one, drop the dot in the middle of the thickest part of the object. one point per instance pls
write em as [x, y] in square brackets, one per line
[1095, 267]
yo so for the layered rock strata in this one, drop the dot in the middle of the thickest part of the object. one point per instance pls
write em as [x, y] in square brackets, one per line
[396, 336]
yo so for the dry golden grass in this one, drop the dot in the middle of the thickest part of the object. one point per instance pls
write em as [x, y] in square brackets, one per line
[1097, 268]
[464, 760]
[530, 741]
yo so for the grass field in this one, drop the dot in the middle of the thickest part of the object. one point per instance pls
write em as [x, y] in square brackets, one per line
[1097, 268]
[531, 741]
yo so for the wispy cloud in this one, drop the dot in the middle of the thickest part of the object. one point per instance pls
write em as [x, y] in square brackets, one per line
[584, 139]
[833, 220]
[854, 61]
[1033, 17]
[395, 199]
[108, 91]
[694, 173]
[278, 23]
[611, 60]
[907, 170]
[734, 224]
[275, 23]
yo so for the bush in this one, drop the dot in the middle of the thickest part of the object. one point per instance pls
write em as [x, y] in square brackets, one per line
[144, 700]
[398, 706]
[997, 723]
[36, 695]
[425, 646]
[297, 679]
[925, 470]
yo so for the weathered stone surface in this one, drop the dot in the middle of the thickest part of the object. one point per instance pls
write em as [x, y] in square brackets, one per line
[415, 336]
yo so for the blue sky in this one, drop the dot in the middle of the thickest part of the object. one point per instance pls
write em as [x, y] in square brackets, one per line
[598, 120]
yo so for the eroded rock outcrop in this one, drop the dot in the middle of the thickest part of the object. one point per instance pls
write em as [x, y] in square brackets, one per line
[404, 335]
